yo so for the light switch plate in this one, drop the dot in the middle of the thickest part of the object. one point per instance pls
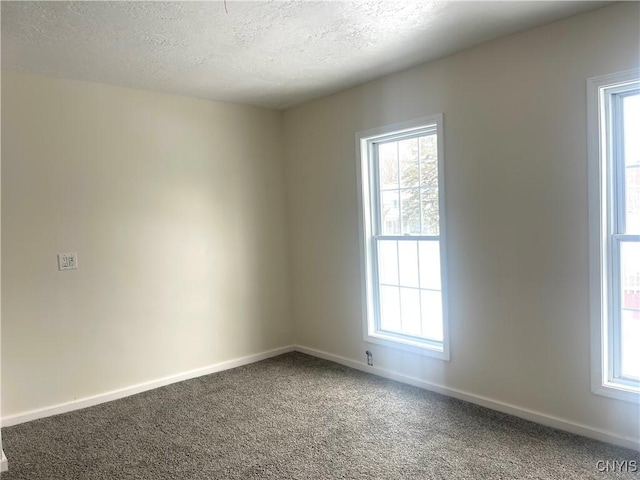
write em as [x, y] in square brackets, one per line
[67, 261]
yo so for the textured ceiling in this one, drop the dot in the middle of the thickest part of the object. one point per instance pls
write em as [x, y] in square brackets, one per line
[270, 53]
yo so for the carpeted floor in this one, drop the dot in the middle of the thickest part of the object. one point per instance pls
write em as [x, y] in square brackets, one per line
[297, 417]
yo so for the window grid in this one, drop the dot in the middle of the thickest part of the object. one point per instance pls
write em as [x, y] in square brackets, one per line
[379, 231]
[403, 285]
[614, 206]
[398, 203]
[619, 235]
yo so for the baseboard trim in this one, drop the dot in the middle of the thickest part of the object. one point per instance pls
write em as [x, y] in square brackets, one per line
[139, 388]
[534, 416]
[4, 465]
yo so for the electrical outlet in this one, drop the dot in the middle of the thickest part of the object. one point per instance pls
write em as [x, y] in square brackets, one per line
[67, 261]
[369, 358]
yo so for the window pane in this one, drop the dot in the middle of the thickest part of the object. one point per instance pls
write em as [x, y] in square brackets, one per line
[390, 206]
[429, 264]
[429, 160]
[408, 155]
[388, 261]
[429, 173]
[431, 303]
[631, 119]
[410, 208]
[630, 322]
[632, 198]
[408, 256]
[429, 147]
[429, 211]
[390, 309]
[630, 344]
[410, 305]
[388, 157]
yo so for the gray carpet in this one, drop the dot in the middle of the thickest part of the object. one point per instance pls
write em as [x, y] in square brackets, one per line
[297, 417]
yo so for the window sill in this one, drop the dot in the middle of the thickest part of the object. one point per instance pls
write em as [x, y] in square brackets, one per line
[618, 391]
[409, 345]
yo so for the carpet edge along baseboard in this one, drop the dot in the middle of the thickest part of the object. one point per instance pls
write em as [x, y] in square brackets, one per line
[531, 415]
[90, 401]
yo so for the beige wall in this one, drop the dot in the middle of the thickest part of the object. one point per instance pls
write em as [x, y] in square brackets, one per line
[176, 208]
[516, 190]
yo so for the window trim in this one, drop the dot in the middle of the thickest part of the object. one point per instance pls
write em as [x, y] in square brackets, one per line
[365, 177]
[601, 228]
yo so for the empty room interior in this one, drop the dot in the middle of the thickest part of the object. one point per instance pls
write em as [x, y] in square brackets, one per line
[360, 239]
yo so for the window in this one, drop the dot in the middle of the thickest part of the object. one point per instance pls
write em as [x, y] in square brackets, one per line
[401, 206]
[614, 209]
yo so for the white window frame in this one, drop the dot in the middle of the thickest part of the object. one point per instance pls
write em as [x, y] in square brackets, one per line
[366, 223]
[604, 264]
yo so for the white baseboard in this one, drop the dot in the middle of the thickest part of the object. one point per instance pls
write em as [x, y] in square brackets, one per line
[4, 465]
[534, 416]
[538, 417]
[142, 387]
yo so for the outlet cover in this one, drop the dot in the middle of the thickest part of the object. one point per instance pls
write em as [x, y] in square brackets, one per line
[67, 261]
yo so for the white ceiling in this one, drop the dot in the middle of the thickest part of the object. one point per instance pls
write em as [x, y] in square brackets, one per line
[270, 53]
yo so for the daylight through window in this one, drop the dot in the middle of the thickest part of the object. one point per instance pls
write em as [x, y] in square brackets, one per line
[402, 217]
[615, 216]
